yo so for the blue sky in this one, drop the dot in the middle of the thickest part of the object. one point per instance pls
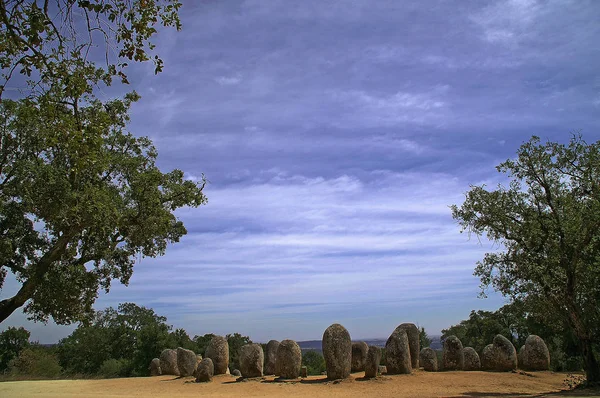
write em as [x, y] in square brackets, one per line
[335, 135]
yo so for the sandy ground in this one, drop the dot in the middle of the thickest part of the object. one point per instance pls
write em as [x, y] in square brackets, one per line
[419, 384]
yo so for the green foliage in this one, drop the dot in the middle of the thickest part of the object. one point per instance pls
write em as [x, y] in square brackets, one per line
[547, 225]
[80, 197]
[314, 362]
[97, 195]
[424, 340]
[182, 339]
[115, 368]
[133, 335]
[49, 43]
[202, 342]
[35, 362]
[12, 342]
[236, 341]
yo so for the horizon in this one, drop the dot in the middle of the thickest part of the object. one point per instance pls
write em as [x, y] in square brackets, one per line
[334, 137]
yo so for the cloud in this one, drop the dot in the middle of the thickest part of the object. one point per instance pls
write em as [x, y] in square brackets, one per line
[508, 22]
[228, 80]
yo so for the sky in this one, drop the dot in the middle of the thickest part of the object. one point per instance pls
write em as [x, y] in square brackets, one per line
[335, 136]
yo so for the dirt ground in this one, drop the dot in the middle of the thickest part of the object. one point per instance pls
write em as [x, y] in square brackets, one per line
[419, 384]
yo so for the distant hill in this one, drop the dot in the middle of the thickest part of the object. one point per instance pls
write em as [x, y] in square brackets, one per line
[315, 345]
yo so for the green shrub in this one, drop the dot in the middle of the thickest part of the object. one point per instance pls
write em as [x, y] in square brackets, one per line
[35, 362]
[314, 362]
[115, 368]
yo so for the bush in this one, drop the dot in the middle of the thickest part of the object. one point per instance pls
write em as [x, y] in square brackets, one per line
[314, 362]
[35, 362]
[115, 368]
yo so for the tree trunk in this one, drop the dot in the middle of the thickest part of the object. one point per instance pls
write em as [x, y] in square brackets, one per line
[9, 305]
[591, 365]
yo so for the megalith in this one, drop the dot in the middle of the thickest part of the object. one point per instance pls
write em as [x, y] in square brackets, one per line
[504, 354]
[412, 331]
[218, 352]
[535, 354]
[428, 359]
[398, 353]
[472, 361]
[155, 367]
[453, 357]
[289, 360]
[186, 361]
[251, 360]
[271, 357]
[359, 356]
[337, 351]
[372, 361]
[168, 362]
[205, 370]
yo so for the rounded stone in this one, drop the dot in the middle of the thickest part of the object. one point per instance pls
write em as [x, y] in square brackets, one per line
[205, 371]
[412, 331]
[487, 357]
[337, 351]
[398, 353]
[428, 359]
[218, 352]
[236, 372]
[453, 357]
[359, 356]
[471, 361]
[251, 360]
[535, 354]
[168, 362]
[504, 354]
[186, 362]
[372, 361]
[271, 357]
[155, 367]
[289, 360]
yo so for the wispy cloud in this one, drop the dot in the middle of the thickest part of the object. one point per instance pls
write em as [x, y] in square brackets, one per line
[334, 136]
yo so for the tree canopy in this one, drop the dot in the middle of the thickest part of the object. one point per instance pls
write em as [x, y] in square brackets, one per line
[130, 334]
[80, 196]
[12, 342]
[55, 42]
[547, 222]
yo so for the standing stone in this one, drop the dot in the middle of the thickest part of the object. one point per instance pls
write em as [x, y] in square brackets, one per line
[168, 362]
[155, 367]
[337, 350]
[453, 357]
[186, 362]
[535, 354]
[304, 371]
[472, 361]
[428, 359]
[218, 351]
[359, 356]
[251, 360]
[372, 361]
[205, 371]
[289, 360]
[271, 357]
[504, 354]
[398, 353]
[412, 331]
[487, 357]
